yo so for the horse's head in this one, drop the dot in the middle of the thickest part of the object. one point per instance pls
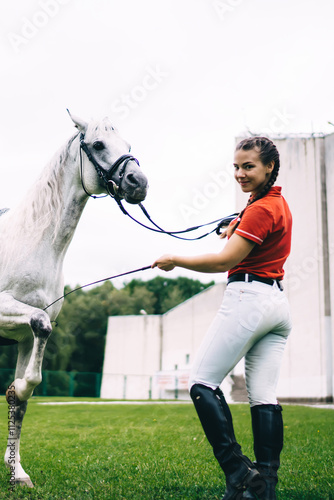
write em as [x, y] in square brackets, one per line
[107, 164]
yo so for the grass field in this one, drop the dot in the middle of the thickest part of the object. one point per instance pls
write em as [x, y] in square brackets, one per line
[156, 452]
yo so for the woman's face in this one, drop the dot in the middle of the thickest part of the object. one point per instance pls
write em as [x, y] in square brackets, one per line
[250, 172]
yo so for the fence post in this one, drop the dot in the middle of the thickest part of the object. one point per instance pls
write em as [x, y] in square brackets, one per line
[176, 387]
[150, 389]
[98, 385]
[124, 386]
[44, 383]
[71, 385]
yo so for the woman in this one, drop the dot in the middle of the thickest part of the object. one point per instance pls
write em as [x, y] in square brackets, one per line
[253, 321]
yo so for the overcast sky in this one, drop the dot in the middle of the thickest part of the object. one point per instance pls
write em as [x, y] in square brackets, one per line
[181, 79]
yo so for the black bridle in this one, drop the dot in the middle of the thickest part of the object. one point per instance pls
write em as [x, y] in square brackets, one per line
[113, 188]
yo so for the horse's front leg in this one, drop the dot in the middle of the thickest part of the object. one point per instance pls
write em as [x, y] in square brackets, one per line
[28, 375]
[17, 475]
[16, 412]
[18, 321]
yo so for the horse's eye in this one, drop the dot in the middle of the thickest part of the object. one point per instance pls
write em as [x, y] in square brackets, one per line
[98, 145]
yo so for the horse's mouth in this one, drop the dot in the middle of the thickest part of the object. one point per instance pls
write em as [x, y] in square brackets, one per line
[134, 199]
[133, 187]
[130, 195]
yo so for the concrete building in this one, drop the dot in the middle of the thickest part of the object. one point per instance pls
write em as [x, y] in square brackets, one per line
[150, 356]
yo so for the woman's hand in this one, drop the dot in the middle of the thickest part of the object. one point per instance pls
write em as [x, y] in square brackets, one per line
[165, 262]
[236, 250]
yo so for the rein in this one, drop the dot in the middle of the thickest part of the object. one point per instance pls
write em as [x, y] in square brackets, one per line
[175, 234]
[95, 283]
[113, 190]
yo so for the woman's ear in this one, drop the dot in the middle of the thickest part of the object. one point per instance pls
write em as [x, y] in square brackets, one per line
[270, 166]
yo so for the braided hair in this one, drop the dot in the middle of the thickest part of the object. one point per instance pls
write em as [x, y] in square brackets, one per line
[267, 153]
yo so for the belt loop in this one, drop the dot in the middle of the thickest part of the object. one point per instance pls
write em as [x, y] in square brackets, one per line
[246, 278]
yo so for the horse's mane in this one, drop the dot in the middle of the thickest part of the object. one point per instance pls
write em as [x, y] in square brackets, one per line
[41, 207]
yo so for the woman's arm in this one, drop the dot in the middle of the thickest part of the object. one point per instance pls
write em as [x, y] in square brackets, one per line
[236, 249]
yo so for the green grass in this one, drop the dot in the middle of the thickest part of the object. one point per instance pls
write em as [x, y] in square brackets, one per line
[156, 452]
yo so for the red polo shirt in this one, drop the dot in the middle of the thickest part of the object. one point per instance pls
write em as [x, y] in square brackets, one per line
[268, 223]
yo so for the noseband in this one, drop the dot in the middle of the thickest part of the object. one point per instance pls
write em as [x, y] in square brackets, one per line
[113, 188]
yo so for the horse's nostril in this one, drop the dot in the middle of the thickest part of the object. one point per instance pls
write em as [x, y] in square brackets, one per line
[131, 179]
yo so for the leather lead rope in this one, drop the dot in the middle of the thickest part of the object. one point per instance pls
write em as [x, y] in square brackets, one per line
[95, 283]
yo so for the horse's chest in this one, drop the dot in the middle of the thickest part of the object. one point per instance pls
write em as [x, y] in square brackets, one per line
[34, 288]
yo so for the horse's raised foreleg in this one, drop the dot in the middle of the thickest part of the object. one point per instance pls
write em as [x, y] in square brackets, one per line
[15, 315]
[31, 327]
[26, 380]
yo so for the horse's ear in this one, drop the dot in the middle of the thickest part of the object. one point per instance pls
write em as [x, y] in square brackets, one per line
[80, 124]
[108, 124]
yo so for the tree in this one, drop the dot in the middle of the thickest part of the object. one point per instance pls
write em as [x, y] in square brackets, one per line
[169, 292]
[78, 338]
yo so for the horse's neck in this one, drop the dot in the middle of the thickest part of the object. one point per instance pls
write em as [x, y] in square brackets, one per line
[34, 237]
[68, 202]
[46, 219]
[62, 233]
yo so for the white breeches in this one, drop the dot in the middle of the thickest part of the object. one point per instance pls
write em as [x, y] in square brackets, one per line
[253, 321]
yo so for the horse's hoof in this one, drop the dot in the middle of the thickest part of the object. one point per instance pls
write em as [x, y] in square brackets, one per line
[24, 482]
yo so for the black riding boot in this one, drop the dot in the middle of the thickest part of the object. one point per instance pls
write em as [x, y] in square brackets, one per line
[267, 426]
[216, 420]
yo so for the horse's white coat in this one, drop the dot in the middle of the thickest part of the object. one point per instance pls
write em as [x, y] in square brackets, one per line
[34, 239]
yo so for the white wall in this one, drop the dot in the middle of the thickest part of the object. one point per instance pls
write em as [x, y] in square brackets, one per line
[133, 349]
[329, 162]
[185, 325]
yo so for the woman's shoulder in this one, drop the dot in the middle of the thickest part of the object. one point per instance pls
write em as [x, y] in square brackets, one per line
[272, 207]
[271, 200]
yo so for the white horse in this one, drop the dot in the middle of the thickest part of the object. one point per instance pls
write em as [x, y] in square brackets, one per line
[34, 239]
